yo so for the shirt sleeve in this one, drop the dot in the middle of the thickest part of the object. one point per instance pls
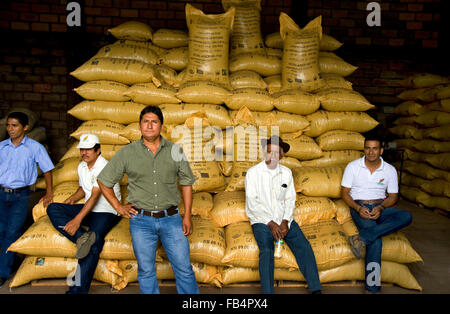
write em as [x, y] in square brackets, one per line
[113, 171]
[347, 178]
[184, 170]
[289, 204]
[253, 207]
[393, 182]
[43, 159]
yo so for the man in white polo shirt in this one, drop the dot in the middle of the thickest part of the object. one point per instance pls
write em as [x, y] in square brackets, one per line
[370, 188]
[96, 213]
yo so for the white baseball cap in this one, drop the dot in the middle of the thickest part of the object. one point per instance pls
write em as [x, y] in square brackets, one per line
[88, 141]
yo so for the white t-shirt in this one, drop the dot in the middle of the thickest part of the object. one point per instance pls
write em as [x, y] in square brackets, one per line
[88, 180]
[369, 186]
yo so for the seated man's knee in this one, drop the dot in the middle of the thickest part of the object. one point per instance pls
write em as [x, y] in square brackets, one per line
[52, 209]
[406, 217]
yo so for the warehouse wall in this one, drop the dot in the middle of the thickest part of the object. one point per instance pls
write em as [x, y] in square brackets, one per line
[39, 49]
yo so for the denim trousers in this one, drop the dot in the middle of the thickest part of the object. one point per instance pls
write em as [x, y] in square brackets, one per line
[298, 244]
[145, 232]
[371, 231]
[13, 213]
[100, 223]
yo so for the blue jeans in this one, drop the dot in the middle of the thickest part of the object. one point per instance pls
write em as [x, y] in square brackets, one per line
[145, 232]
[371, 231]
[100, 223]
[13, 212]
[298, 244]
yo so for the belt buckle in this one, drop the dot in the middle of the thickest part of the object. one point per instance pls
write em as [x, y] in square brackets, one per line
[8, 190]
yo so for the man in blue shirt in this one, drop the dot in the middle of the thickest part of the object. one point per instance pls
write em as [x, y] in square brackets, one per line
[18, 157]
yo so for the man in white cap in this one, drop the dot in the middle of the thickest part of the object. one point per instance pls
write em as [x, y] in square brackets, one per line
[96, 213]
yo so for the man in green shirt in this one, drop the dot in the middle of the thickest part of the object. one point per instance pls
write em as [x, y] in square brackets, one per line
[153, 165]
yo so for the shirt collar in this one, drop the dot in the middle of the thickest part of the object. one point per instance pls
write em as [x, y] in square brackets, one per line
[265, 168]
[162, 144]
[363, 164]
[23, 141]
[95, 164]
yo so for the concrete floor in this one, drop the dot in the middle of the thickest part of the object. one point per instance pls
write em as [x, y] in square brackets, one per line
[429, 235]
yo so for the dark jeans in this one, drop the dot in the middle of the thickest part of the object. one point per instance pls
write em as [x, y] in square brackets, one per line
[298, 244]
[13, 212]
[100, 223]
[371, 231]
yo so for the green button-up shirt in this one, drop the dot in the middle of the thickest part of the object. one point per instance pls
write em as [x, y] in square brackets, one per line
[152, 178]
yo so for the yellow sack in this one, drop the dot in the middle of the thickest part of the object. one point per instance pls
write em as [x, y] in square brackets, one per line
[406, 121]
[208, 45]
[108, 151]
[309, 210]
[246, 79]
[333, 65]
[242, 249]
[178, 114]
[420, 169]
[132, 30]
[441, 105]
[302, 147]
[133, 52]
[409, 108]
[274, 52]
[132, 133]
[431, 146]
[436, 202]
[342, 212]
[202, 204]
[246, 34]
[256, 99]
[318, 181]
[436, 187]
[333, 158]
[397, 248]
[406, 131]
[231, 275]
[103, 90]
[296, 101]
[433, 119]
[262, 64]
[424, 95]
[207, 242]
[168, 74]
[145, 44]
[170, 38]
[332, 80]
[61, 192]
[175, 58]
[322, 121]
[440, 161]
[340, 140]
[343, 99]
[274, 40]
[329, 43]
[149, 94]
[412, 194]
[119, 112]
[423, 80]
[198, 92]
[106, 131]
[124, 71]
[229, 207]
[413, 181]
[443, 93]
[66, 170]
[273, 83]
[300, 63]
[208, 175]
[290, 162]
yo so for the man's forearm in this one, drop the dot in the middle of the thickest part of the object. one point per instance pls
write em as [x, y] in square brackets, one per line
[108, 193]
[345, 195]
[186, 191]
[48, 177]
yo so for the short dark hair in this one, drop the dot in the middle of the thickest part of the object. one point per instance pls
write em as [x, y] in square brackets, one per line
[374, 137]
[96, 147]
[152, 109]
[19, 116]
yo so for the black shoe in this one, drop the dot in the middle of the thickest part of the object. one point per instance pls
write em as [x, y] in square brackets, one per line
[317, 292]
[2, 281]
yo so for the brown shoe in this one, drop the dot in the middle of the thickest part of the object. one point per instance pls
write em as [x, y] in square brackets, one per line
[84, 243]
[357, 245]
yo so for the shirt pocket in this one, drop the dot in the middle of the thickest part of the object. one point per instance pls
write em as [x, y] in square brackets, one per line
[168, 173]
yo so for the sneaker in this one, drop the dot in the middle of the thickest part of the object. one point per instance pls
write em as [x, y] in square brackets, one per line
[84, 244]
[357, 245]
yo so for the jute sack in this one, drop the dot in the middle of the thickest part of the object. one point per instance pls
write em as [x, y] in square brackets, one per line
[149, 94]
[397, 248]
[296, 101]
[207, 242]
[120, 112]
[107, 131]
[66, 170]
[443, 93]
[309, 210]
[133, 52]
[231, 275]
[409, 108]
[327, 42]
[226, 167]
[441, 105]
[198, 92]
[342, 212]
[42, 239]
[169, 75]
[343, 99]
[61, 192]
[242, 249]
[412, 194]
[202, 204]
[132, 133]
[170, 38]
[229, 207]
[208, 45]
[425, 95]
[440, 161]
[124, 71]
[433, 119]
[335, 65]
[132, 30]
[262, 64]
[318, 181]
[273, 83]
[406, 121]
[103, 90]
[290, 162]
[436, 202]
[406, 143]
[178, 114]
[146, 44]
[175, 58]
[322, 121]
[246, 34]
[245, 79]
[420, 169]
[38, 134]
[302, 147]
[332, 80]
[437, 187]
[300, 63]
[413, 181]
[423, 80]
[256, 99]
[2, 129]
[208, 175]
[406, 131]
[333, 158]
[340, 140]
[34, 268]
[431, 146]
[274, 52]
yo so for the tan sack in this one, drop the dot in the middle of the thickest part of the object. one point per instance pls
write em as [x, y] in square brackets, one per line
[296, 101]
[229, 207]
[107, 131]
[318, 181]
[149, 94]
[333, 158]
[343, 99]
[133, 52]
[66, 170]
[264, 65]
[124, 112]
[132, 30]
[170, 38]
[423, 80]
[309, 210]
[103, 90]
[340, 140]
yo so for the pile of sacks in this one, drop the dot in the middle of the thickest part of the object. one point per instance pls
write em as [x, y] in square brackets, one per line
[423, 131]
[222, 88]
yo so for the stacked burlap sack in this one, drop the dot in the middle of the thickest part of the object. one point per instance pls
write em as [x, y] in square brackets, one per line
[423, 131]
[222, 88]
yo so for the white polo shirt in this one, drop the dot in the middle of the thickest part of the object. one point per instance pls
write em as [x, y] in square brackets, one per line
[369, 186]
[88, 180]
[269, 194]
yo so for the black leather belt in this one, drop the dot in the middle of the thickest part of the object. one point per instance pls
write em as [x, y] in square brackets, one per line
[13, 191]
[172, 210]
